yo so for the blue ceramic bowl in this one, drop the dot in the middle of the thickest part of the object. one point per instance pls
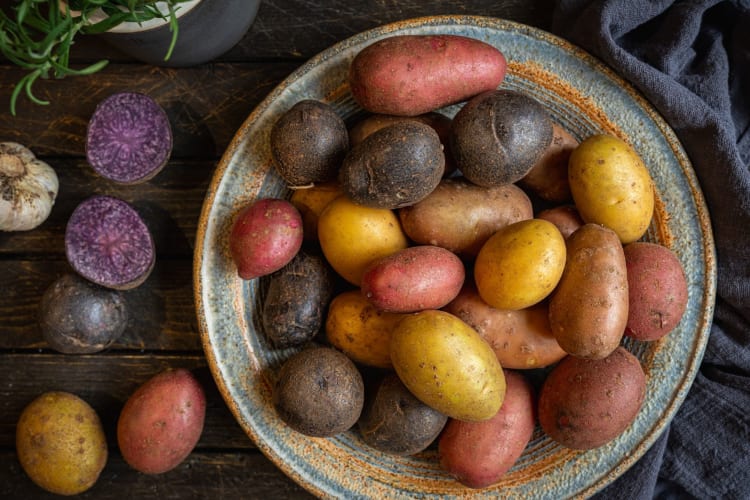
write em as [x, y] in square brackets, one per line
[584, 96]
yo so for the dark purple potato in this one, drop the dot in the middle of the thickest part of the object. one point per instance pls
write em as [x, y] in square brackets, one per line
[129, 138]
[498, 137]
[107, 242]
[79, 317]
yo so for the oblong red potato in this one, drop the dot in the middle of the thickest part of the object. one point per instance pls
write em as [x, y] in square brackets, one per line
[657, 289]
[409, 75]
[478, 454]
[461, 216]
[162, 422]
[265, 236]
[521, 339]
[588, 310]
[585, 403]
[414, 279]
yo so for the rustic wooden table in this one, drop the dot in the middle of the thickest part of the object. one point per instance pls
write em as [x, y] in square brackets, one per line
[206, 105]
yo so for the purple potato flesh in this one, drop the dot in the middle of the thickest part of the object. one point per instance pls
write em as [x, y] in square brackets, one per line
[129, 138]
[107, 242]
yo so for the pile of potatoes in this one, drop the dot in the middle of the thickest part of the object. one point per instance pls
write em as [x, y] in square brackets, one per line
[426, 265]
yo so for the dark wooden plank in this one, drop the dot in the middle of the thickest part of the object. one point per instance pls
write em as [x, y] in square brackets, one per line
[203, 475]
[162, 309]
[206, 104]
[106, 381]
[169, 204]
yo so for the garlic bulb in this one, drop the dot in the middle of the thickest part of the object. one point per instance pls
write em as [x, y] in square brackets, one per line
[28, 188]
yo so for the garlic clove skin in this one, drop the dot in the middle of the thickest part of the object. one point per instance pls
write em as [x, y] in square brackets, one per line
[28, 188]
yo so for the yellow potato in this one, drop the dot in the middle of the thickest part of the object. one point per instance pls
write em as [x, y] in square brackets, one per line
[311, 201]
[520, 264]
[60, 443]
[352, 236]
[447, 365]
[357, 328]
[611, 186]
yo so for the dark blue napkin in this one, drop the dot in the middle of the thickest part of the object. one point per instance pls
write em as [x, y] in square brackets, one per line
[691, 59]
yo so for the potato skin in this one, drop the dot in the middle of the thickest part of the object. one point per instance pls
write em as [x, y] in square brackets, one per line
[319, 392]
[60, 443]
[410, 75]
[478, 454]
[396, 422]
[658, 292]
[565, 217]
[162, 422]
[359, 330]
[413, 279]
[586, 403]
[589, 309]
[310, 202]
[611, 186]
[296, 300]
[548, 178]
[447, 365]
[352, 236]
[394, 167]
[461, 216]
[498, 136]
[520, 264]
[522, 339]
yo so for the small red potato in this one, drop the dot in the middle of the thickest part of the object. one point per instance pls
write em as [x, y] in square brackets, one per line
[410, 75]
[565, 217]
[162, 422]
[548, 178]
[414, 279]
[265, 237]
[478, 454]
[657, 290]
[586, 403]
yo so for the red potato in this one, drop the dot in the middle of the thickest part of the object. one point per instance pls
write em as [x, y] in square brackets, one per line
[478, 454]
[162, 422]
[265, 237]
[657, 290]
[586, 403]
[565, 217]
[410, 75]
[414, 279]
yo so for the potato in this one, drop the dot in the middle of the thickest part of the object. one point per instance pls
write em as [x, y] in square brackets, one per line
[447, 365]
[410, 75]
[611, 186]
[478, 454]
[413, 279]
[586, 403]
[310, 202]
[308, 143]
[657, 290]
[296, 300]
[395, 421]
[319, 392]
[565, 217]
[521, 339]
[394, 167]
[162, 422]
[265, 236]
[60, 443]
[498, 136]
[548, 178]
[352, 236]
[359, 330]
[460, 216]
[589, 309]
[520, 264]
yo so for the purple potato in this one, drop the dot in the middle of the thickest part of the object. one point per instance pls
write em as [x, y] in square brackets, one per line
[107, 242]
[79, 317]
[129, 138]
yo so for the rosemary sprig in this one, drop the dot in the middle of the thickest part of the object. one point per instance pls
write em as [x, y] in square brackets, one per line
[40, 34]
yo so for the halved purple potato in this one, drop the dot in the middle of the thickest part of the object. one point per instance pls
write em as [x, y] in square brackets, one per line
[129, 138]
[107, 242]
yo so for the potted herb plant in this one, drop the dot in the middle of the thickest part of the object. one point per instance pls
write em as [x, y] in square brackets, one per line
[38, 34]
